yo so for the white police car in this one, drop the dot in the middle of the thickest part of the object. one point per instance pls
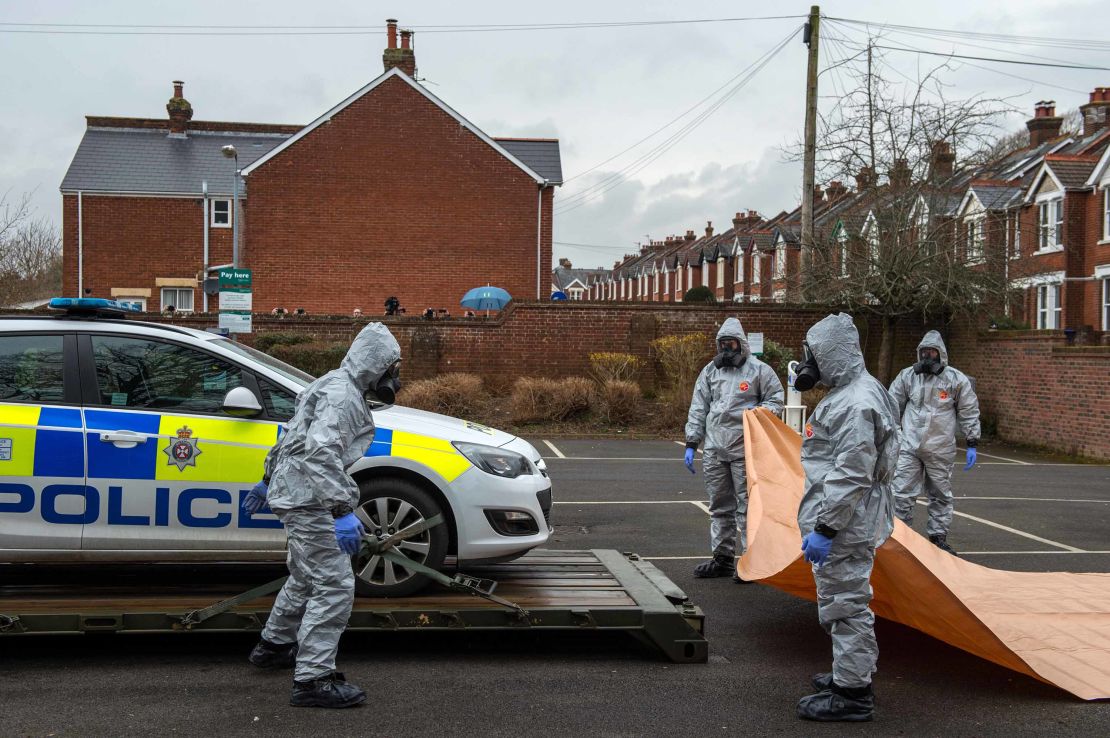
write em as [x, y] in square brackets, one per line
[127, 441]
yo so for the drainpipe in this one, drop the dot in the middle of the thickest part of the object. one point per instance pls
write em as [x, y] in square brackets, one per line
[204, 219]
[539, 239]
[80, 248]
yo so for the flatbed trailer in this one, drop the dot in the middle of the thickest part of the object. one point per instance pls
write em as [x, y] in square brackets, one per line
[598, 590]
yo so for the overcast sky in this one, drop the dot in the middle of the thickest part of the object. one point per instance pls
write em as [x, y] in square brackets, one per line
[597, 90]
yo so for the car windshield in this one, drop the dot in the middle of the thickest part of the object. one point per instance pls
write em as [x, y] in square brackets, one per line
[289, 372]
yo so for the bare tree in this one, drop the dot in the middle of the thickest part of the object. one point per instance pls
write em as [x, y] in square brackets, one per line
[894, 249]
[30, 253]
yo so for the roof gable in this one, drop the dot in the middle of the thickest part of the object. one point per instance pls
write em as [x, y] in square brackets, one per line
[394, 72]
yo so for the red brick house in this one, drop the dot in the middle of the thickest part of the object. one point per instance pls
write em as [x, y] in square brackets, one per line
[390, 192]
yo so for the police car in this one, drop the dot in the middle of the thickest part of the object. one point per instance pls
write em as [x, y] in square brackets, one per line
[128, 441]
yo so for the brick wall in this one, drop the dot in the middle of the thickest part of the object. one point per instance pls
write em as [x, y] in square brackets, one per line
[1038, 390]
[392, 197]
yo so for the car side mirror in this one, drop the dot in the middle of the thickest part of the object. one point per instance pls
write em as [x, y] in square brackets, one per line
[241, 402]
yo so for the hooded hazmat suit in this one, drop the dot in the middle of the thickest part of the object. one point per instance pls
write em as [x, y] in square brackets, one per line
[930, 406]
[309, 487]
[849, 450]
[716, 417]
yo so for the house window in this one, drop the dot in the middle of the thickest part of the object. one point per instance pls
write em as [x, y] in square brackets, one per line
[705, 274]
[974, 244]
[873, 248]
[1106, 212]
[739, 267]
[1048, 307]
[780, 261]
[133, 303]
[667, 282]
[221, 213]
[179, 298]
[1106, 303]
[842, 241]
[756, 267]
[1013, 235]
[1051, 218]
[720, 273]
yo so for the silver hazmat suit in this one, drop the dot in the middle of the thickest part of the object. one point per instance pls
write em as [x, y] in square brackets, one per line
[716, 417]
[930, 407]
[848, 455]
[307, 471]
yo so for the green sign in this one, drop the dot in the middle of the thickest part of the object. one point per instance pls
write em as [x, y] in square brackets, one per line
[235, 279]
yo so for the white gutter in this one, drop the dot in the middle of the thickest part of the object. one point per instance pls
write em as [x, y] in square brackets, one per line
[204, 220]
[80, 248]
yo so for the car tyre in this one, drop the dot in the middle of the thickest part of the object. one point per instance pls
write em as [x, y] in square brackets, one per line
[387, 504]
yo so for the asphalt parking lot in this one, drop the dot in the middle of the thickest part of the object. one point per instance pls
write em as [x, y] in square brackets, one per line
[1014, 511]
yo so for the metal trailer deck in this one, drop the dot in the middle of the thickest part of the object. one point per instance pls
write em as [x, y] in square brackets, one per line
[600, 590]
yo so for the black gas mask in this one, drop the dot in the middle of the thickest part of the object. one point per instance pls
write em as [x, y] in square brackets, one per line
[730, 352]
[808, 374]
[927, 363]
[388, 384]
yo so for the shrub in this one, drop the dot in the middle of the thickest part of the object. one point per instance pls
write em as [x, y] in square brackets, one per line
[681, 359]
[315, 358]
[538, 399]
[614, 367]
[458, 395]
[1006, 323]
[620, 401]
[699, 294]
[267, 341]
[777, 356]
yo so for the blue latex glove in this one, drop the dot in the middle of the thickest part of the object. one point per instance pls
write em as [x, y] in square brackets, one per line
[349, 532]
[690, 460]
[255, 499]
[972, 457]
[815, 548]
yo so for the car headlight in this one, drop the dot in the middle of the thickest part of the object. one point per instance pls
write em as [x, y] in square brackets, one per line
[492, 460]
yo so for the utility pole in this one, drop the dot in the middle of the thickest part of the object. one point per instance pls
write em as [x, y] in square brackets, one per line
[810, 153]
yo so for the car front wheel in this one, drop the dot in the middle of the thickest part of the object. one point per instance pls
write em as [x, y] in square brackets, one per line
[386, 506]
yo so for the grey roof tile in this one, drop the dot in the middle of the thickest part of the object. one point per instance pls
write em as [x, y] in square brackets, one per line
[540, 154]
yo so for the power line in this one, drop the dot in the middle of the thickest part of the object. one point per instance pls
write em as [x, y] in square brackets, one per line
[620, 177]
[131, 29]
[626, 249]
[991, 59]
[1084, 44]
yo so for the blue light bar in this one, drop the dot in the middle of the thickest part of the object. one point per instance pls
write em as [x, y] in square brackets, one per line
[90, 306]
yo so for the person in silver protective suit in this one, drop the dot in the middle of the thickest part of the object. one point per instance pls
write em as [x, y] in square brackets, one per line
[849, 449]
[733, 382]
[932, 398]
[307, 486]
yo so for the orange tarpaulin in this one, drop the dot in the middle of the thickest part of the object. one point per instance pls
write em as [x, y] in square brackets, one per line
[1052, 626]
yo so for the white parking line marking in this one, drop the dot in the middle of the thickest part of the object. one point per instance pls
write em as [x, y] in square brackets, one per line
[700, 505]
[962, 553]
[551, 446]
[680, 443]
[1015, 531]
[1003, 458]
[1029, 499]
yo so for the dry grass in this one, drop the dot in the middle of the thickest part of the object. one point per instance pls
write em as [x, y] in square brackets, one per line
[620, 401]
[539, 399]
[458, 395]
[612, 366]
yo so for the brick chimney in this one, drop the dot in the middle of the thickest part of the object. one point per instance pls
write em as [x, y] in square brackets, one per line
[179, 109]
[746, 219]
[1045, 124]
[564, 263]
[818, 194]
[1096, 113]
[708, 229]
[404, 57]
[865, 180]
[942, 162]
[690, 236]
[900, 174]
[836, 190]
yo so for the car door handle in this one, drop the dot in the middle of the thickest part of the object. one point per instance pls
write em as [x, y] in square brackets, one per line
[123, 438]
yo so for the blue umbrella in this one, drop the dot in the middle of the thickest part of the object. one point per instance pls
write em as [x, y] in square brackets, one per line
[486, 298]
[559, 295]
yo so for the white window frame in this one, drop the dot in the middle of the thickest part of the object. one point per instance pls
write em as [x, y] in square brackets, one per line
[212, 214]
[1049, 234]
[757, 267]
[176, 290]
[842, 239]
[704, 273]
[739, 266]
[871, 228]
[1105, 303]
[1017, 234]
[779, 267]
[1106, 212]
[667, 281]
[720, 273]
[975, 238]
[133, 301]
[1048, 306]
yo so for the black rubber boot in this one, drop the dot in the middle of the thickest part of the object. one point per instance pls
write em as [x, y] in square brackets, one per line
[838, 704]
[267, 655]
[718, 566]
[331, 690]
[941, 542]
[821, 682]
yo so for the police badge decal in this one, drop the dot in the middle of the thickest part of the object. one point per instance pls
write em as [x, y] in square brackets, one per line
[183, 451]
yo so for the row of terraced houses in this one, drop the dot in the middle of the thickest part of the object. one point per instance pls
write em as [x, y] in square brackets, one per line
[1044, 206]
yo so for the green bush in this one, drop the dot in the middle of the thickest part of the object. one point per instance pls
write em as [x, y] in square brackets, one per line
[681, 359]
[1006, 323]
[777, 356]
[267, 341]
[315, 358]
[699, 294]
